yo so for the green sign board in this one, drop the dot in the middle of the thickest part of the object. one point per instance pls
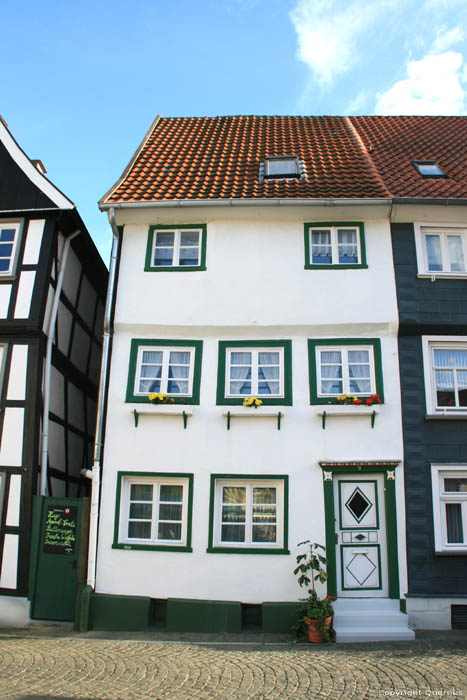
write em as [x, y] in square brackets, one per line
[60, 529]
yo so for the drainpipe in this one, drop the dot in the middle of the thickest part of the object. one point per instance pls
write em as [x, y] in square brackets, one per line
[48, 364]
[95, 474]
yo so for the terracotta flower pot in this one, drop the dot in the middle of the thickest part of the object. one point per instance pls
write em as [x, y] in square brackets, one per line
[314, 634]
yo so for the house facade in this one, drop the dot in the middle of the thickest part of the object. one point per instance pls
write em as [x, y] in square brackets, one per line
[255, 262]
[429, 244]
[52, 292]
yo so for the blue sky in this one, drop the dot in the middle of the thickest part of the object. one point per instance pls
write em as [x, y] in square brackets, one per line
[82, 82]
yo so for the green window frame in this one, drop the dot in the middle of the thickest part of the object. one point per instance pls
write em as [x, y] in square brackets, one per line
[196, 350]
[333, 227]
[123, 503]
[314, 346]
[285, 348]
[178, 230]
[280, 482]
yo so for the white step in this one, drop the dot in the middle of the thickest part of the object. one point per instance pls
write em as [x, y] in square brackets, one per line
[370, 620]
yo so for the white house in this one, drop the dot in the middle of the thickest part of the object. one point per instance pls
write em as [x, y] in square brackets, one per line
[254, 260]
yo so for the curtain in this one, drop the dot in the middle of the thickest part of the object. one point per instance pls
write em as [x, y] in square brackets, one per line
[240, 373]
[179, 372]
[455, 254]
[454, 522]
[433, 252]
[347, 244]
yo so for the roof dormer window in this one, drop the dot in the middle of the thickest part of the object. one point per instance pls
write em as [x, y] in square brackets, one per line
[281, 167]
[428, 168]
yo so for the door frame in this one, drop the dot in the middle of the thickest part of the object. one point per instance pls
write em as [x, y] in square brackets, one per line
[362, 469]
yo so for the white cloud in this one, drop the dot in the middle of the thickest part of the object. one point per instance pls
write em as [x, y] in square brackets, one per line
[357, 104]
[327, 34]
[433, 86]
[445, 39]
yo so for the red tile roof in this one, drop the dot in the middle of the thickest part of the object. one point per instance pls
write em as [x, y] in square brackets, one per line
[212, 158]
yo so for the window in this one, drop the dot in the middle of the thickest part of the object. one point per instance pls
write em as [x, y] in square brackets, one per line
[428, 168]
[9, 234]
[172, 367]
[449, 485]
[281, 167]
[445, 365]
[153, 511]
[255, 368]
[248, 514]
[443, 250]
[334, 245]
[176, 248]
[344, 366]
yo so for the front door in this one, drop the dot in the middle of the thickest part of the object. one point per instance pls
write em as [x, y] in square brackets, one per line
[361, 556]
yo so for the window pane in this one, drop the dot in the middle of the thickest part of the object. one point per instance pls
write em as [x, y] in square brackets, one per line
[359, 356]
[268, 358]
[233, 514]
[264, 494]
[178, 357]
[271, 388]
[433, 251]
[328, 387]
[234, 494]
[264, 514]
[321, 247]
[450, 358]
[147, 386]
[179, 372]
[4, 264]
[281, 167]
[233, 533]
[172, 494]
[139, 530]
[189, 238]
[347, 246]
[240, 388]
[331, 357]
[445, 395]
[362, 386]
[177, 386]
[271, 372]
[188, 256]
[6, 250]
[163, 256]
[264, 533]
[459, 485]
[454, 522]
[331, 372]
[170, 512]
[169, 531]
[455, 254]
[165, 238]
[462, 387]
[7, 234]
[141, 511]
[240, 358]
[141, 492]
[152, 371]
[152, 357]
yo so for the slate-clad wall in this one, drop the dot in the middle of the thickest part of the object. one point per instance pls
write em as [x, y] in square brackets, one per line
[435, 308]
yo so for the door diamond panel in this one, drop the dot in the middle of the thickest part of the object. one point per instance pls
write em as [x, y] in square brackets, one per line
[360, 567]
[358, 504]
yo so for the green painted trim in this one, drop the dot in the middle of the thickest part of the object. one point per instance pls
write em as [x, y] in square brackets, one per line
[136, 343]
[286, 400]
[361, 588]
[155, 547]
[359, 527]
[119, 612]
[214, 616]
[313, 372]
[391, 530]
[212, 549]
[321, 224]
[148, 267]
[329, 517]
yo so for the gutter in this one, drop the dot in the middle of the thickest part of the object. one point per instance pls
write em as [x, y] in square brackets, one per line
[95, 473]
[178, 203]
[48, 364]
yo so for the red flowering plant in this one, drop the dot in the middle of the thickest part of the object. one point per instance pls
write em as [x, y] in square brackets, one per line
[351, 400]
[311, 567]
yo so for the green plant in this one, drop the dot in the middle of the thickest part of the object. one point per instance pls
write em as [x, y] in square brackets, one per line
[311, 567]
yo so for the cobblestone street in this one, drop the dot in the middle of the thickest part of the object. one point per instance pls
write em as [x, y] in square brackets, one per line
[74, 668]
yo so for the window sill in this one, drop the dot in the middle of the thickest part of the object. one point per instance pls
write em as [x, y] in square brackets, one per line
[337, 266]
[456, 551]
[163, 410]
[442, 275]
[246, 550]
[447, 415]
[176, 268]
[157, 547]
[350, 411]
[277, 412]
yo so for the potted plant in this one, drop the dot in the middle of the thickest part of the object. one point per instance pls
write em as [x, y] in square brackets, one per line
[315, 615]
[351, 400]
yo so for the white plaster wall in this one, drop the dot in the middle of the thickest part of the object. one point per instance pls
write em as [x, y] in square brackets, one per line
[5, 293]
[24, 296]
[14, 495]
[265, 294]
[18, 371]
[11, 448]
[431, 613]
[9, 567]
[33, 242]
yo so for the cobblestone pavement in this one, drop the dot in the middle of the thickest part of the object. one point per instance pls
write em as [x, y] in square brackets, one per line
[76, 668]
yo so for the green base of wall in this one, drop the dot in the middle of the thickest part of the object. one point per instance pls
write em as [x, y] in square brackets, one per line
[118, 612]
[279, 617]
[203, 616]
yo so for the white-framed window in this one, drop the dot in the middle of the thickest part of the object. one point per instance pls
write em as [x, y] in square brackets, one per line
[9, 234]
[153, 510]
[428, 168]
[441, 250]
[345, 370]
[164, 369]
[176, 248]
[248, 513]
[449, 486]
[445, 367]
[281, 167]
[254, 372]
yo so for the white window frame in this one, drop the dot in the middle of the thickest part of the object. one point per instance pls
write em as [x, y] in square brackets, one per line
[440, 342]
[166, 350]
[345, 349]
[249, 484]
[334, 244]
[281, 176]
[176, 247]
[440, 499]
[16, 225]
[425, 228]
[254, 371]
[156, 482]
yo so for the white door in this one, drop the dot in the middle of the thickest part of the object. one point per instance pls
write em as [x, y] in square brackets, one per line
[361, 556]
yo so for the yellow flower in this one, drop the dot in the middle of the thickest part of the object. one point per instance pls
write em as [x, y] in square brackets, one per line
[152, 396]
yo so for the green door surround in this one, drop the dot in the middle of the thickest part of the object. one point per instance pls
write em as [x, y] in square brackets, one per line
[387, 468]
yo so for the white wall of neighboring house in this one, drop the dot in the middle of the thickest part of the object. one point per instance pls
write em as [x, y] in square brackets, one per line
[255, 287]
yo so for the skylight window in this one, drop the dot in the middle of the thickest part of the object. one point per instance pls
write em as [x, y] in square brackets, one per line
[428, 168]
[281, 167]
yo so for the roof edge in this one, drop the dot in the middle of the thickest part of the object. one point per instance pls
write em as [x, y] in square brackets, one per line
[128, 168]
[179, 203]
[32, 173]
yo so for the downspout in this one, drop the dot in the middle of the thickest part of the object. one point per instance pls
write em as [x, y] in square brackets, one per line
[95, 474]
[48, 364]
